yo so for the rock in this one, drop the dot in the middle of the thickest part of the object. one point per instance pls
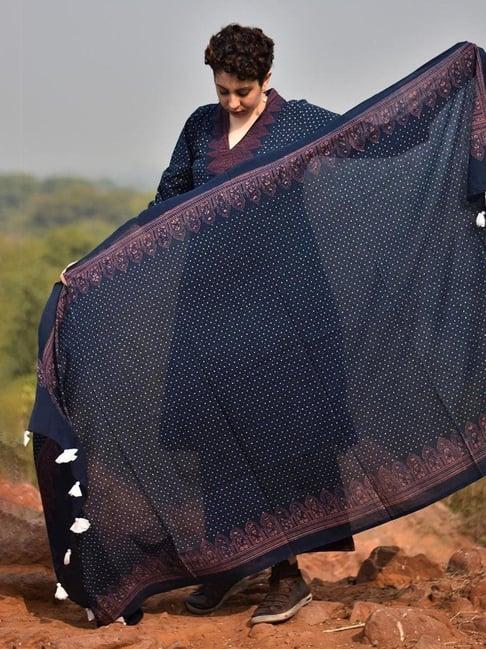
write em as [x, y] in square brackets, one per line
[444, 585]
[317, 583]
[23, 536]
[391, 628]
[262, 630]
[319, 612]
[321, 590]
[426, 594]
[361, 611]
[467, 561]
[31, 583]
[480, 623]
[460, 604]
[389, 566]
[20, 493]
[428, 642]
[417, 594]
[306, 576]
[477, 594]
[379, 558]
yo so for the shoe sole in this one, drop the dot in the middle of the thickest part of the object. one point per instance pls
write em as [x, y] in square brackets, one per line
[236, 588]
[282, 617]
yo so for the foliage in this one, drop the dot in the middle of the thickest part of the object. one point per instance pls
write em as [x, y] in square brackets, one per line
[28, 204]
[44, 225]
[470, 502]
[16, 398]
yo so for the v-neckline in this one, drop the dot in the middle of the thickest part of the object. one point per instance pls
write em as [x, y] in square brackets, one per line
[220, 155]
[227, 124]
[272, 95]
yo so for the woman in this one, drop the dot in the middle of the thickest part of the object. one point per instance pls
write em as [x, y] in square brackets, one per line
[250, 119]
[273, 359]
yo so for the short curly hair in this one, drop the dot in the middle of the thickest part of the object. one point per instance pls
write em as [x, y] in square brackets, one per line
[244, 51]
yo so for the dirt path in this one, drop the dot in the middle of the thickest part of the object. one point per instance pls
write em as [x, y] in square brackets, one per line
[30, 617]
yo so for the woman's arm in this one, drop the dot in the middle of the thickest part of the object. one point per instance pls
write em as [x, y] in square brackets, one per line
[177, 178]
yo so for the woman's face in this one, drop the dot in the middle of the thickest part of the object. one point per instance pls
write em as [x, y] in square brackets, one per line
[239, 98]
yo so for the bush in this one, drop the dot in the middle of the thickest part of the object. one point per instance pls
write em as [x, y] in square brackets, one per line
[470, 503]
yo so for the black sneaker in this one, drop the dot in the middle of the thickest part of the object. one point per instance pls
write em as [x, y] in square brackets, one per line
[209, 597]
[284, 598]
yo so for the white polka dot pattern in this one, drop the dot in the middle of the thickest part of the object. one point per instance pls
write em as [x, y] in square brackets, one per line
[287, 374]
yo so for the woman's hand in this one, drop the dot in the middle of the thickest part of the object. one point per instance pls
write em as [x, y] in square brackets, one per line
[61, 276]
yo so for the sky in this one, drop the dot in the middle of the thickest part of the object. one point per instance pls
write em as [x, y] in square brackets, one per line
[102, 88]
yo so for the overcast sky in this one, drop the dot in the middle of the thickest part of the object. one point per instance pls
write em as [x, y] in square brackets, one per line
[101, 88]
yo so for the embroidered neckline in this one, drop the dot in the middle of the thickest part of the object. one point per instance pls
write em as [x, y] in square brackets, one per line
[221, 157]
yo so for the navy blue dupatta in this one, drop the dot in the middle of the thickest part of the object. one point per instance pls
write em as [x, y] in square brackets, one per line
[289, 354]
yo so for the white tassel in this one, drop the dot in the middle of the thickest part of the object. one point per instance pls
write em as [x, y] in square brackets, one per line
[60, 592]
[121, 619]
[75, 490]
[69, 455]
[67, 557]
[27, 435]
[481, 220]
[80, 525]
[90, 614]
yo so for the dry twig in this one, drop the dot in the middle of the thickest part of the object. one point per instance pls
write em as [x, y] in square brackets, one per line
[343, 628]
